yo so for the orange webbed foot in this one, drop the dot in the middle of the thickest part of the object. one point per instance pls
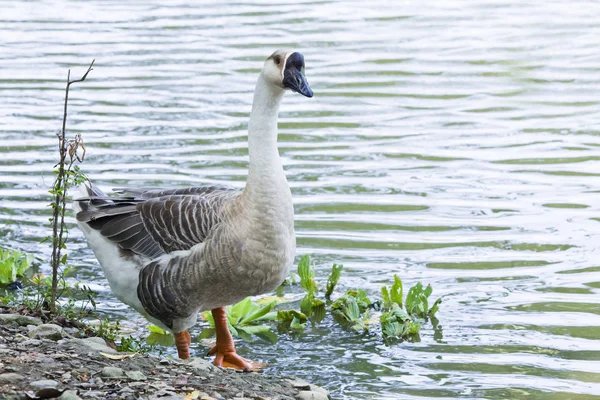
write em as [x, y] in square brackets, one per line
[224, 350]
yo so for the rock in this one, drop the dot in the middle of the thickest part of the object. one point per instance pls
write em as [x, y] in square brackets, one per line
[81, 373]
[300, 384]
[10, 378]
[316, 388]
[44, 384]
[47, 331]
[93, 343]
[31, 342]
[69, 395]
[311, 395]
[201, 364]
[21, 320]
[136, 375]
[112, 372]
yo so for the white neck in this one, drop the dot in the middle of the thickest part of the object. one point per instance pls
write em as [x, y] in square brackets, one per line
[265, 165]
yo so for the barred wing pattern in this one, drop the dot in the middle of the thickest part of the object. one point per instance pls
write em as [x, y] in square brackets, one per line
[152, 222]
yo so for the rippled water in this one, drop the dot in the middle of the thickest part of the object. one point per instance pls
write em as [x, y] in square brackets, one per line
[455, 143]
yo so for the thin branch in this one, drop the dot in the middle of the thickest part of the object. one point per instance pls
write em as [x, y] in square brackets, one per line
[60, 190]
[69, 83]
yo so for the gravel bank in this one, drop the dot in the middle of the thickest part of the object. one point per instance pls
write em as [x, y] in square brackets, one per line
[42, 361]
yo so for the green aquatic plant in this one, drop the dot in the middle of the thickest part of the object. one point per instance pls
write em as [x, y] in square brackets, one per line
[159, 337]
[13, 265]
[244, 320]
[352, 309]
[311, 306]
[291, 321]
[332, 281]
[398, 324]
[402, 318]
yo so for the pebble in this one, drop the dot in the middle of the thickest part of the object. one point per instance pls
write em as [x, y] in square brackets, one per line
[44, 384]
[201, 364]
[311, 395]
[10, 378]
[112, 372]
[80, 372]
[47, 331]
[69, 395]
[136, 375]
[93, 343]
[31, 342]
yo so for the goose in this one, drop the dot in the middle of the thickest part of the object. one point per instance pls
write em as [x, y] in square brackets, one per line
[172, 253]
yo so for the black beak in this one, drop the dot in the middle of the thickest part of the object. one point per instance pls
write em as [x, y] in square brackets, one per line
[293, 75]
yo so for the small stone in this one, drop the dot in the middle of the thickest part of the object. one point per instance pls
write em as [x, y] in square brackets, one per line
[112, 372]
[66, 375]
[93, 343]
[10, 378]
[300, 384]
[316, 388]
[81, 372]
[44, 384]
[200, 364]
[21, 320]
[216, 395]
[69, 395]
[164, 361]
[310, 395]
[31, 342]
[136, 375]
[47, 331]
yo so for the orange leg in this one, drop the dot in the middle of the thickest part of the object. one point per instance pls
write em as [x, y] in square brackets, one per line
[224, 351]
[182, 342]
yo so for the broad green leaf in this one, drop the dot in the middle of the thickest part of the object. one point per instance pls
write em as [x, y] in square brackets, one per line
[162, 340]
[268, 336]
[332, 281]
[207, 333]
[428, 291]
[259, 313]
[156, 329]
[396, 291]
[307, 275]
[241, 309]
[254, 329]
[318, 311]
[241, 332]
[385, 295]
[435, 307]
[306, 304]
[353, 310]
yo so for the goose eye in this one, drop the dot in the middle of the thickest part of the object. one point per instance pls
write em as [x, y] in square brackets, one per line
[277, 60]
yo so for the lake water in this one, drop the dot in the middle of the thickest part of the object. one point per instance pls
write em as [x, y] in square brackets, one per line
[452, 143]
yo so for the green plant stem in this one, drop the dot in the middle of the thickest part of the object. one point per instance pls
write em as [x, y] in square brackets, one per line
[60, 195]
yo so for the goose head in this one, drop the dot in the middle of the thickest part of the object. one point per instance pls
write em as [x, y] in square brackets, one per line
[285, 69]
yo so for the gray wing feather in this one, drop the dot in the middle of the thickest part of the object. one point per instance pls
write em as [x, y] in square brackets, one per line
[152, 222]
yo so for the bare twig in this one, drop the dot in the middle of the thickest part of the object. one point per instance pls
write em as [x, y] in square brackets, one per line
[65, 147]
